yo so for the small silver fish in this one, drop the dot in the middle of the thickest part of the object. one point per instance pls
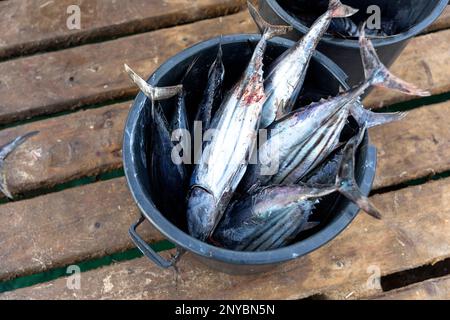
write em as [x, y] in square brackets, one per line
[268, 218]
[286, 75]
[225, 156]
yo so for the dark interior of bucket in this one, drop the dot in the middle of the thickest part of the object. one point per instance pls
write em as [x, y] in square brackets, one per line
[319, 83]
[404, 14]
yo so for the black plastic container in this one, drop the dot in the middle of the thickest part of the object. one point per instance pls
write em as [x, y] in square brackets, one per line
[411, 16]
[324, 78]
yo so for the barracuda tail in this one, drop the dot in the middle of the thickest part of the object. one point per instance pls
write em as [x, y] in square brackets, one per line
[4, 152]
[154, 93]
[371, 119]
[378, 73]
[339, 10]
[345, 179]
[264, 27]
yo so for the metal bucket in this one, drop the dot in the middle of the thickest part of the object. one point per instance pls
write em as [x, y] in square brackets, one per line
[324, 78]
[412, 17]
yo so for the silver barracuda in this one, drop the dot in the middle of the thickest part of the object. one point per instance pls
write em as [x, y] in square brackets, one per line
[273, 216]
[268, 218]
[301, 140]
[286, 75]
[225, 156]
[341, 164]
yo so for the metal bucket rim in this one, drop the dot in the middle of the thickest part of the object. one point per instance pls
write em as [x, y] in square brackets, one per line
[353, 43]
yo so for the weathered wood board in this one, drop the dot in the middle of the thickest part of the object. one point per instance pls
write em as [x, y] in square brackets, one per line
[89, 142]
[443, 22]
[407, 150]
[94, 73]
[91, 221]
[29, 25]
[433, 289]
[90, 74]
[67, 227]
[424, 62]
[416, 147]
[67, 147]
[34, 25]
[415, 231]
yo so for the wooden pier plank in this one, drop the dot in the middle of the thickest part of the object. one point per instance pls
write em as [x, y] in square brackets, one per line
[415, 231]
[443, 22]
[89, 142]
[68, 227]
[29, 26]
[81, 144]
[93, 73]
[424, 62]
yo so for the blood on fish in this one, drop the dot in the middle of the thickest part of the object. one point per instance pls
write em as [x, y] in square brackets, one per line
[251, 97]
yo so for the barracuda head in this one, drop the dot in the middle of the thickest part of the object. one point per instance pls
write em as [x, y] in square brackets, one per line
[202, 213]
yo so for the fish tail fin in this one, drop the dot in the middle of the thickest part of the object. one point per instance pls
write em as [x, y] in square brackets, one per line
[339, 10]
[219, 56]
[345, 179]
[377, 119]
[378, 74]
[4, 152]
[264, 27]
[219, 59]
[371, 119]
[189, 68]
[154, 93]
[6, 149]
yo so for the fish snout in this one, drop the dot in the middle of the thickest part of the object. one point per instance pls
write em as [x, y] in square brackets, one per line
[202, 213]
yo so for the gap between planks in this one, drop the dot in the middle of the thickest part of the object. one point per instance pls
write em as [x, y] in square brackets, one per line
[415, 231]
[432, 289]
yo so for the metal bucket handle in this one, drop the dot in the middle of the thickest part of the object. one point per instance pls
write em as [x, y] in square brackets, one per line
[149, 252]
